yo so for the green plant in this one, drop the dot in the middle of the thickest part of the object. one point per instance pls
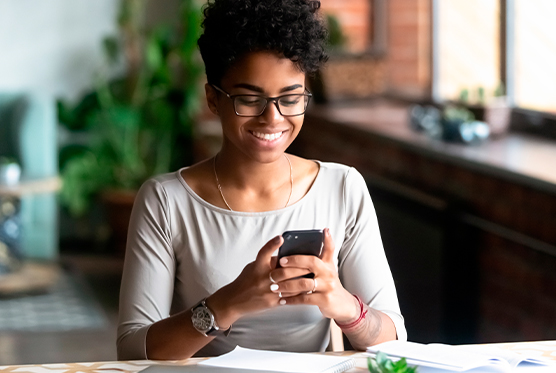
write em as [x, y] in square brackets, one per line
[480, 95]
[381, 364]
[455, 113]
[7, 161]
[336, 38]
[140, 124]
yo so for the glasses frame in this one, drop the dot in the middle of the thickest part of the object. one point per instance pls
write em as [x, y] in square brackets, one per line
[307, 94]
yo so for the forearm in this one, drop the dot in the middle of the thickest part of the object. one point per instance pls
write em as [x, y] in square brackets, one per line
[175, 337]
[373, 328]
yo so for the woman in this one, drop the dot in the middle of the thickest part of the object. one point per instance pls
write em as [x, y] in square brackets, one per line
[200, 276]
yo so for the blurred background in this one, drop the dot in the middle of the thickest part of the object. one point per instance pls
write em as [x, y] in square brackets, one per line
[447, 108]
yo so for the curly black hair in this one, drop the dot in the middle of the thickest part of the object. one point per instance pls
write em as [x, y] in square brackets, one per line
[232, 28]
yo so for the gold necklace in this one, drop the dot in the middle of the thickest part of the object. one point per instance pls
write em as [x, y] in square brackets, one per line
[222, 194]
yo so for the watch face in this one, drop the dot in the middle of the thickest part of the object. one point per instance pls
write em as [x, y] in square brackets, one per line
[202, 319]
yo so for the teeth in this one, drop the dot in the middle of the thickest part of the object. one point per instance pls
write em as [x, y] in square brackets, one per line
[267, 136]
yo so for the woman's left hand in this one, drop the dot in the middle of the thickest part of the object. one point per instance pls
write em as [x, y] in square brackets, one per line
[324, 290]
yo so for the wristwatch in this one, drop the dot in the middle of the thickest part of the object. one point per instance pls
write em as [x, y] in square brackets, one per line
[203, 320]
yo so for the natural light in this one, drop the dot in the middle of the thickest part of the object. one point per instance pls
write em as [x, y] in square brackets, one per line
[469, 60]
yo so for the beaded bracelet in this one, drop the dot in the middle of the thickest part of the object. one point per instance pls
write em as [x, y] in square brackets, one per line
[362, 314]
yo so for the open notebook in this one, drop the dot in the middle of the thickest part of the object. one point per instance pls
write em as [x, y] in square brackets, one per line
[257, 361]
[461, 358]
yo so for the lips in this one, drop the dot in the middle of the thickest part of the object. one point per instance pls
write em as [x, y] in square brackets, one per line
[267, 136]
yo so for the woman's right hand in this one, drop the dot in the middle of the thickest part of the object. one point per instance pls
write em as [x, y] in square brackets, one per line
[250, 291]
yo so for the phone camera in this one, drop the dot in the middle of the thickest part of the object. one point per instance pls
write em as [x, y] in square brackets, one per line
[288, 236]
[296, 237]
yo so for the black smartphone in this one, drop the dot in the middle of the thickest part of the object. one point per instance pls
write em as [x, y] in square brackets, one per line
[304, 242]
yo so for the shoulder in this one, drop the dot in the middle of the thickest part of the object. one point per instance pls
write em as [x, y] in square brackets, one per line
[162, 181]
[162, 186]
[336, 172]
[346, 182]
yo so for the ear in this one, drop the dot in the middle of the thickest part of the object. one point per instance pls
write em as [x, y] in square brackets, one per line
[212, 98]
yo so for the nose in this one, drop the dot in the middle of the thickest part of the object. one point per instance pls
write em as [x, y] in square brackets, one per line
[271, 112]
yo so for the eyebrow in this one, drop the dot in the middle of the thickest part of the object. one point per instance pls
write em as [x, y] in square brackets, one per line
[259, 89]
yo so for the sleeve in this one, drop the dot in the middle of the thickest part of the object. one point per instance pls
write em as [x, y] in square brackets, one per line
[362, 264]
[149, 269]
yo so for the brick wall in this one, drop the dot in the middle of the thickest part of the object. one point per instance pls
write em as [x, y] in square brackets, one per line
[354, 17]
[405, 68]
[409, 47]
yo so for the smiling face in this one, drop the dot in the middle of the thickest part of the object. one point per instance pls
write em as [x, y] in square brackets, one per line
[266, 137]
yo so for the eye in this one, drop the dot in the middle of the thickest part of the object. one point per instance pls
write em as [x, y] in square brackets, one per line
[250, 100]
[290, 100]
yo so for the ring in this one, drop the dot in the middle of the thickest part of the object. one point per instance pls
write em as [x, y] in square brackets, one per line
[314, 286]
[270, 277]
[279, 294]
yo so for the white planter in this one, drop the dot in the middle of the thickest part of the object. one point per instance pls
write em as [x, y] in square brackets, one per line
[10, 174]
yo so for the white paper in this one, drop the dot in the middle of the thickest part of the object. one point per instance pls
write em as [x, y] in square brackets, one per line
[243, 358]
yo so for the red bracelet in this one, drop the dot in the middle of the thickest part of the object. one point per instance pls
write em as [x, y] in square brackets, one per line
[362, 314]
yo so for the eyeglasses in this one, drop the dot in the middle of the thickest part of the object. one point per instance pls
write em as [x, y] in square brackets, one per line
[290, 105]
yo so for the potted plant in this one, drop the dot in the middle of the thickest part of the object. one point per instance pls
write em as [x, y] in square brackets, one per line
[138, 125]
[491, 107]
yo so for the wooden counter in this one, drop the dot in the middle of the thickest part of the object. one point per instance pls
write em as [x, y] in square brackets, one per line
[469, 230]
[542, 348]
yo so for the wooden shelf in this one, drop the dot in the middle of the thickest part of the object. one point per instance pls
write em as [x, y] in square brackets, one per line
[32, 277]
[34, 186]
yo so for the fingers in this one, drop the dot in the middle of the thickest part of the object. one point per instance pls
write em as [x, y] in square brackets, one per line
[283, 274]
[265, 254]
[273, 261]
[328, 247]
[286, 282]
[308, 263]
[294, 287]
[303, 298]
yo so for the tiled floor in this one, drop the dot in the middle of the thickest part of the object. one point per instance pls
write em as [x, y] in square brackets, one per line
[102, 274]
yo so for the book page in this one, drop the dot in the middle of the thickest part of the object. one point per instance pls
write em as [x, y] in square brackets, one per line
[513, 358]
[438, 355]
[243, 358]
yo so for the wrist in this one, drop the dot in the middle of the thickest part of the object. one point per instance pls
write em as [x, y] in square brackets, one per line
[354, 322]
[223, 315]
[355, 310]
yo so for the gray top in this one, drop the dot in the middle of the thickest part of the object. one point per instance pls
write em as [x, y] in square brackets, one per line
[181, 249]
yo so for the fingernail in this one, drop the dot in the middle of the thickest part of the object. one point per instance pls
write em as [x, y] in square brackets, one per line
[282, 301]
[327, 231]
[283, 261]
[277, 239]
[274, 287]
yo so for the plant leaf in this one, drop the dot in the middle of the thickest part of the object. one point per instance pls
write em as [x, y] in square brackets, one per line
[373, 366]
[382, 364]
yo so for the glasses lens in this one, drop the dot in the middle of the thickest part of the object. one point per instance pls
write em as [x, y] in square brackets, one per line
[293, 104]
[249, 105]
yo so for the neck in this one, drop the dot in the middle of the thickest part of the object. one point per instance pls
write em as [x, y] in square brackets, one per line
[254, 185]
[241, 172]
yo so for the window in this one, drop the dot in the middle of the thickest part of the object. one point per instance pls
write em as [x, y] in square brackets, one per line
[534, 54]
[468, 49]
[487, 47]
